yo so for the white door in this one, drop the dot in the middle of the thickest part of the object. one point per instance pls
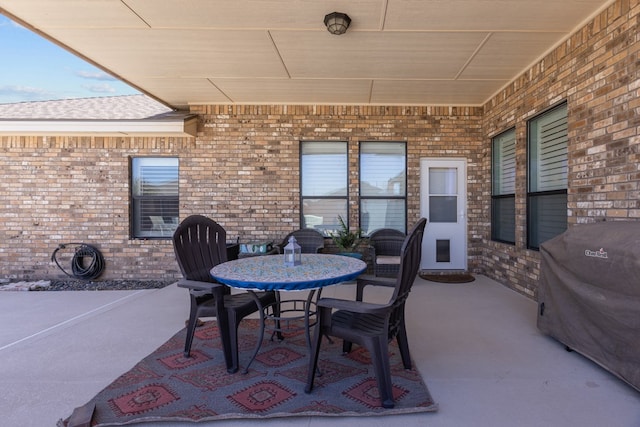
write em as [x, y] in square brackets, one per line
[443, 201]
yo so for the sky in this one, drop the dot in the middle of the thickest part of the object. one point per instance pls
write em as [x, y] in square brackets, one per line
[34, 69]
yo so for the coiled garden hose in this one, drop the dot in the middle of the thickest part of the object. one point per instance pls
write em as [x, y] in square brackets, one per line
[87, 262]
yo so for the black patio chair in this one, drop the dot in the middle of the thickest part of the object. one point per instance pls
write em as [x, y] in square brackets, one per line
[200, 244]
[370, 325]
[384, 248]
[311, 241]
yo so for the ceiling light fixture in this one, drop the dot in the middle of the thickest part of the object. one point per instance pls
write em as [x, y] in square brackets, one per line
[337, 23]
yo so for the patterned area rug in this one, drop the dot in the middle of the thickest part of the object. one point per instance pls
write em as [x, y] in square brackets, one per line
[165, 386]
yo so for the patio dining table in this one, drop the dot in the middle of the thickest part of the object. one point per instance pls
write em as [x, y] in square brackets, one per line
[269, 273]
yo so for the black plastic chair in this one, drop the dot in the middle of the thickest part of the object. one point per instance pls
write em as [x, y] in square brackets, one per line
[370, 325]
[200, 244]
[384, 248]
[311, 241]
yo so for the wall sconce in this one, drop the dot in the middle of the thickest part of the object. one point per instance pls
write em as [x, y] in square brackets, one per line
[337, 23]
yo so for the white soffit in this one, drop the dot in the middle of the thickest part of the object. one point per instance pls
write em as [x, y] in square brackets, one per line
[396, 52]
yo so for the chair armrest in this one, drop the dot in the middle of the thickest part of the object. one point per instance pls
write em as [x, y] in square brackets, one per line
[371, 252]
[367, 279]
[199, 286]
[353, 306]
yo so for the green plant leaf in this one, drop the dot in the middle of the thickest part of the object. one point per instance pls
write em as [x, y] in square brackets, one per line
[345, 239]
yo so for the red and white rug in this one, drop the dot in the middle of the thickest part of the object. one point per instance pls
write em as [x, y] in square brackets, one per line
[166, 386]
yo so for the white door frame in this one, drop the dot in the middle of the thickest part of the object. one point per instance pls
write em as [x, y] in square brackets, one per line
[453, 234]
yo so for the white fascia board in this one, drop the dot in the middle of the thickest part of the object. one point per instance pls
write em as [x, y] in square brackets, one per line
[186, 127]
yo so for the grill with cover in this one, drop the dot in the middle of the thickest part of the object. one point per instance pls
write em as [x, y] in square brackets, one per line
[589, 294]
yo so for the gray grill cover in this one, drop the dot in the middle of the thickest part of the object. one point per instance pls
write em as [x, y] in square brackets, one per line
[589, 294]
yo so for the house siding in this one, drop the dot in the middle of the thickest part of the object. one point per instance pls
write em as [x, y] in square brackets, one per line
[243, 167]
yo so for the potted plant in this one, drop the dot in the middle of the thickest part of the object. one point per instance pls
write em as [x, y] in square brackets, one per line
[347, 241]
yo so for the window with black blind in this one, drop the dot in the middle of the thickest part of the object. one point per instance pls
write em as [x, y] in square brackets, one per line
[323, 185]
[503, 187]
[547, 176]
[154, 197]
[383, 186]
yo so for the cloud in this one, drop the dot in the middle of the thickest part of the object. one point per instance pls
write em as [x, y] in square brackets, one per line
[94, 75]
[100, 88]
[21, 93]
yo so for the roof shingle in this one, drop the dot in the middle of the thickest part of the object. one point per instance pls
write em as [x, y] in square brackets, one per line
[129, 107]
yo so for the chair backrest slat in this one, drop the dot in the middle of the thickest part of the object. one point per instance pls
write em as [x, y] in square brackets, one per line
[387, 241]
[200, 244]
[410, 256]
[311, 241]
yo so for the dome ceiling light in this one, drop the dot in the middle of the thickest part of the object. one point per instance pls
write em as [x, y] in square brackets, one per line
[337, 23]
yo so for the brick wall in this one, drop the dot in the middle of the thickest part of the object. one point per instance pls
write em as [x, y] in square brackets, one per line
[243, 168]
[596, 72]
[75, 189]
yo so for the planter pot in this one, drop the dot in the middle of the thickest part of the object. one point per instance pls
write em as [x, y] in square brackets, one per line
[351, 254]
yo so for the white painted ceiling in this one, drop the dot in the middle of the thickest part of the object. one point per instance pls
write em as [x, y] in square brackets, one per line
[396, 52]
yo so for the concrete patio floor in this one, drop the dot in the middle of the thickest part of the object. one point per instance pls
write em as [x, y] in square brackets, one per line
[476, 345]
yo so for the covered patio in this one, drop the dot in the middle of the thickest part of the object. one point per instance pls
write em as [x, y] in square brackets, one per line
[475, 344]
[437, 80]
[237, 138]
